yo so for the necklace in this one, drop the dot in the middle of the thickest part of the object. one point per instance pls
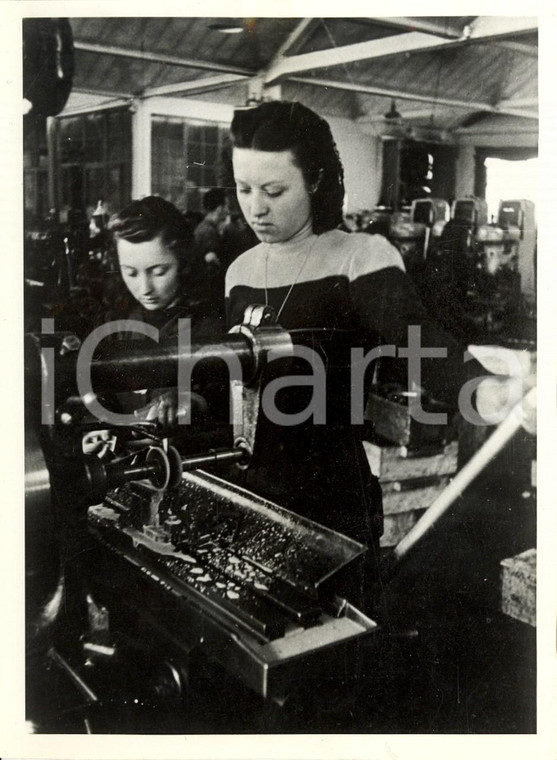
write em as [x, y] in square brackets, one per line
[300, 270]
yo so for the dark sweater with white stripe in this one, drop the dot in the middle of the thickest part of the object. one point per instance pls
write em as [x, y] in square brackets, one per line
[349, 282]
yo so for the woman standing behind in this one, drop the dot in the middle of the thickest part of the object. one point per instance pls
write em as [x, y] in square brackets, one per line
[289, 183]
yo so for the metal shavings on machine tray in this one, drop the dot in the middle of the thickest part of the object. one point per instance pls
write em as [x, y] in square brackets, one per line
[277, 541]
[261, 563]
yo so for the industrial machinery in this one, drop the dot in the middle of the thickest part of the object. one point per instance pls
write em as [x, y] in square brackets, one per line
[521, 214]
[479, 277]
[410, 239]
[412, 235]
[493, 298]
[471, 211]
[467, 215]
[145, 551]
[451, 264]
[428, 211]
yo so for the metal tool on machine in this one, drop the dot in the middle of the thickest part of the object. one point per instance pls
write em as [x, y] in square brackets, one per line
[202, 564]
[178, 563]
[232, 575]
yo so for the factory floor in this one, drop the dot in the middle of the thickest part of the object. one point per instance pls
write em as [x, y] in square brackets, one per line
[446, 661]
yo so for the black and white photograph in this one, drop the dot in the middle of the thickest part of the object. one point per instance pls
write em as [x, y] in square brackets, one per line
[276, 335]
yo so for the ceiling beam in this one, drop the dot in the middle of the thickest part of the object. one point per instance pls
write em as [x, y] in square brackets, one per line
[207, 84]
[101, 93]
[360, 51]
[519, 47]
[293, 37]
[494, 129]
[482, 29]
[496, 27]
[106, 105]
[415, 24]
[469, 105]
[171, 60]
[518, 103]
[408, 115]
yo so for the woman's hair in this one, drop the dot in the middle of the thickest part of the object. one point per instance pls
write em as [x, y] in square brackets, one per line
[144, 220]
[278, 126]
[152, 216]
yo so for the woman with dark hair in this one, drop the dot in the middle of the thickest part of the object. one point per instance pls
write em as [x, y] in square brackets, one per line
[157, 260]
[290, 187]
[159, 266]
[278, 127]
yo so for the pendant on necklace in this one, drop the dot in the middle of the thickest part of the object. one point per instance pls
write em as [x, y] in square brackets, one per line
[295, 281]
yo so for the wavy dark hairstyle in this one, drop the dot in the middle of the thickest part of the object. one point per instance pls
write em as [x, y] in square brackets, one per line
[281, 125]
[152, 216]
[143, 220]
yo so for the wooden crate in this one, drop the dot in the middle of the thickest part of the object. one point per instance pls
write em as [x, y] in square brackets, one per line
[392, 421]
[396, 526]
[392, 463]
[518, 586]
[403, 508]
[411, 495]
[410, 483]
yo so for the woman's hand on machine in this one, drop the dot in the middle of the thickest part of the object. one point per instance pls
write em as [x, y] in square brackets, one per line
[163, 409]
[98, 442]
[169, 408]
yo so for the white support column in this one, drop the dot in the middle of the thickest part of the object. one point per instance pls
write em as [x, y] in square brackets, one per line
[273, 93]
[257, 91]
[141, 149]
[465, 171]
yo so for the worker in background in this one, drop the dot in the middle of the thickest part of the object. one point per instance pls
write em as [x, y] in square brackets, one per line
[209, 241]
[237, 237]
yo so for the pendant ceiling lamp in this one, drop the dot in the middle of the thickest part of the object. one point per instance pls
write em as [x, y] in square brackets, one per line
[392, 114]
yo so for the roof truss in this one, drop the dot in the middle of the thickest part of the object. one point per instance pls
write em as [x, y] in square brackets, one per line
[426, 34]
[482, 29]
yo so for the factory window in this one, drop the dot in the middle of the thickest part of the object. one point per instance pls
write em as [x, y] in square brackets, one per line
[511, 180]
[186, 160]
[94, 153]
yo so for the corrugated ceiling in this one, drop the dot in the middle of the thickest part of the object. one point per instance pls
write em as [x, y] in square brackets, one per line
[431, 86]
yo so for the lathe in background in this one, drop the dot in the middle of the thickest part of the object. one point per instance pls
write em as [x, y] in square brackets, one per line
[451, 263]
[479, 278]
[521, 214]
[410, 233]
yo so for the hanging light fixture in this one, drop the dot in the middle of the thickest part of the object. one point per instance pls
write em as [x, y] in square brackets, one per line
[392, 114]
[227, 28]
